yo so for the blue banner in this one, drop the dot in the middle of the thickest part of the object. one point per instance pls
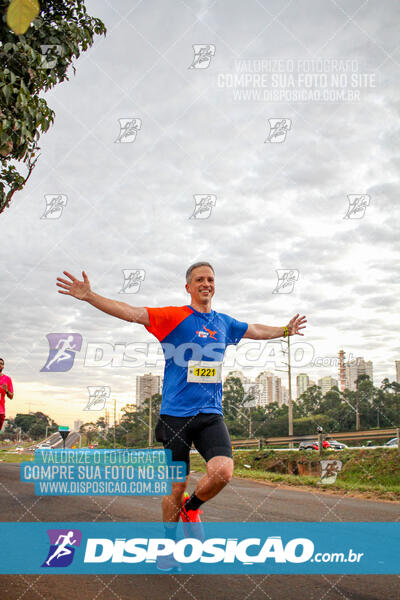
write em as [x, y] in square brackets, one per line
[250, 548]
[103, 472]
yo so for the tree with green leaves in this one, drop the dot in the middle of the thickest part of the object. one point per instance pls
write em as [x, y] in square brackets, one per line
[38, 42]
[233, 403]
[309, 401]
[34, 424]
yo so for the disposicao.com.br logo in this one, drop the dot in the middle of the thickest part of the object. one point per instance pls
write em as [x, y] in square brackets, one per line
[192, 550]
[248, 551]
[209, 547]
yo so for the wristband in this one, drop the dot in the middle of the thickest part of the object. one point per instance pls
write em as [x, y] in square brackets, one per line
[285, 332]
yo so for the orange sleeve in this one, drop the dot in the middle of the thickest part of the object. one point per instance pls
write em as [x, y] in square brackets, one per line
[164, 320]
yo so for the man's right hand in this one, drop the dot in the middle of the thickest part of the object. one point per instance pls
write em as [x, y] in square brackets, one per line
[77, 289]
[121, 310]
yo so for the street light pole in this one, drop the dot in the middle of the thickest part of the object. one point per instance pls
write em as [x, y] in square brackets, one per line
[250, 424]
[115, 418]
[150, 424]
[357, 408]
[290, 394]
[290, 399]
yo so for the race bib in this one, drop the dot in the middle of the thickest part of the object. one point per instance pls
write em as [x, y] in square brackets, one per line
[204, 371]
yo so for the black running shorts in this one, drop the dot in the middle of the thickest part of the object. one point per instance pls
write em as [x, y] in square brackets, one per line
[207, 431]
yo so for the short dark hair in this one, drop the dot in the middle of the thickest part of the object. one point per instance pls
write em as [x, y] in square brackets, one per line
[2, 359]
[192, 267]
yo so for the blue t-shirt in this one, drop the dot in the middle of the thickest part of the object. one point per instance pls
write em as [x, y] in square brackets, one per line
[187, 334]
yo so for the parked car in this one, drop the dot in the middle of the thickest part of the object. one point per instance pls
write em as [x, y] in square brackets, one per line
[335, 445]
[44, 446]
[19, 448]
[391, 443]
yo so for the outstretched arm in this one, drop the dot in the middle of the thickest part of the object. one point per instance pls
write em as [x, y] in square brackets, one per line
[257, 331]
[82, 291]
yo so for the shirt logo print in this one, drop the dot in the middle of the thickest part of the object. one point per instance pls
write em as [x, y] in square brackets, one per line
[206, 333]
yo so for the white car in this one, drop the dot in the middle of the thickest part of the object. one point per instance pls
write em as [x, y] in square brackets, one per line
[44, 447]
[391, 443]
[19, 448]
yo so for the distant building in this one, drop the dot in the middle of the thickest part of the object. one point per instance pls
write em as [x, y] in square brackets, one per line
[342, 371]
[326, 384]
[270, 388]
[354, 369]
[146, 386]
[302, 383]
[239, 375]
[77, 424]
[284, 395]
[397, 363]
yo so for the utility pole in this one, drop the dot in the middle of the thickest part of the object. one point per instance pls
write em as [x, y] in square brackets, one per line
[290, 393]
[250, 424]
[150, 424]
[357, 408]
[290, 399]
[115, 418]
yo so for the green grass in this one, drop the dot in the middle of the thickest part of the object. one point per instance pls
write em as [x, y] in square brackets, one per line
[11, 457]
[371, 473]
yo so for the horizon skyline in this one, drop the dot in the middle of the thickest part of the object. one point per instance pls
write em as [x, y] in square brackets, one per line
[68, 418]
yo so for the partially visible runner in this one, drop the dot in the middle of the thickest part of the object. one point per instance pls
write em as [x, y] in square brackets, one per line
[194, 338]
[6, 389]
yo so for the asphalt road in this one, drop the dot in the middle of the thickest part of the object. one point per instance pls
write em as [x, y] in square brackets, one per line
[55, 440]
[242, 500]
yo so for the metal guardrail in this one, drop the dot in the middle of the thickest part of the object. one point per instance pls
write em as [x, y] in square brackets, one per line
[252, 443]
[370, 434]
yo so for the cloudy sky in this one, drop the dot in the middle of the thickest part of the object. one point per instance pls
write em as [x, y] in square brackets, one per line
[278, 201]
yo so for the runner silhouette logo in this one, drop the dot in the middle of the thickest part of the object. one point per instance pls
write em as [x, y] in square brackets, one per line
[62, 547]
[62, 351]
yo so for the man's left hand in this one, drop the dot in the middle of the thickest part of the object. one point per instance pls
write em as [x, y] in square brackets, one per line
[296, 324]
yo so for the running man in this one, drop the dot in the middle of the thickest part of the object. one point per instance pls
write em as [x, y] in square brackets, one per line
[6, 389]
[193, 338]
[62, 354]
[62, 549]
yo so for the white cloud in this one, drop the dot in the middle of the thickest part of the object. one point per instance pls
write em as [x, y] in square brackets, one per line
[278, 205]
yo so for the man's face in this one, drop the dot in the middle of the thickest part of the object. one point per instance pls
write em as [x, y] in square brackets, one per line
[202, 286]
